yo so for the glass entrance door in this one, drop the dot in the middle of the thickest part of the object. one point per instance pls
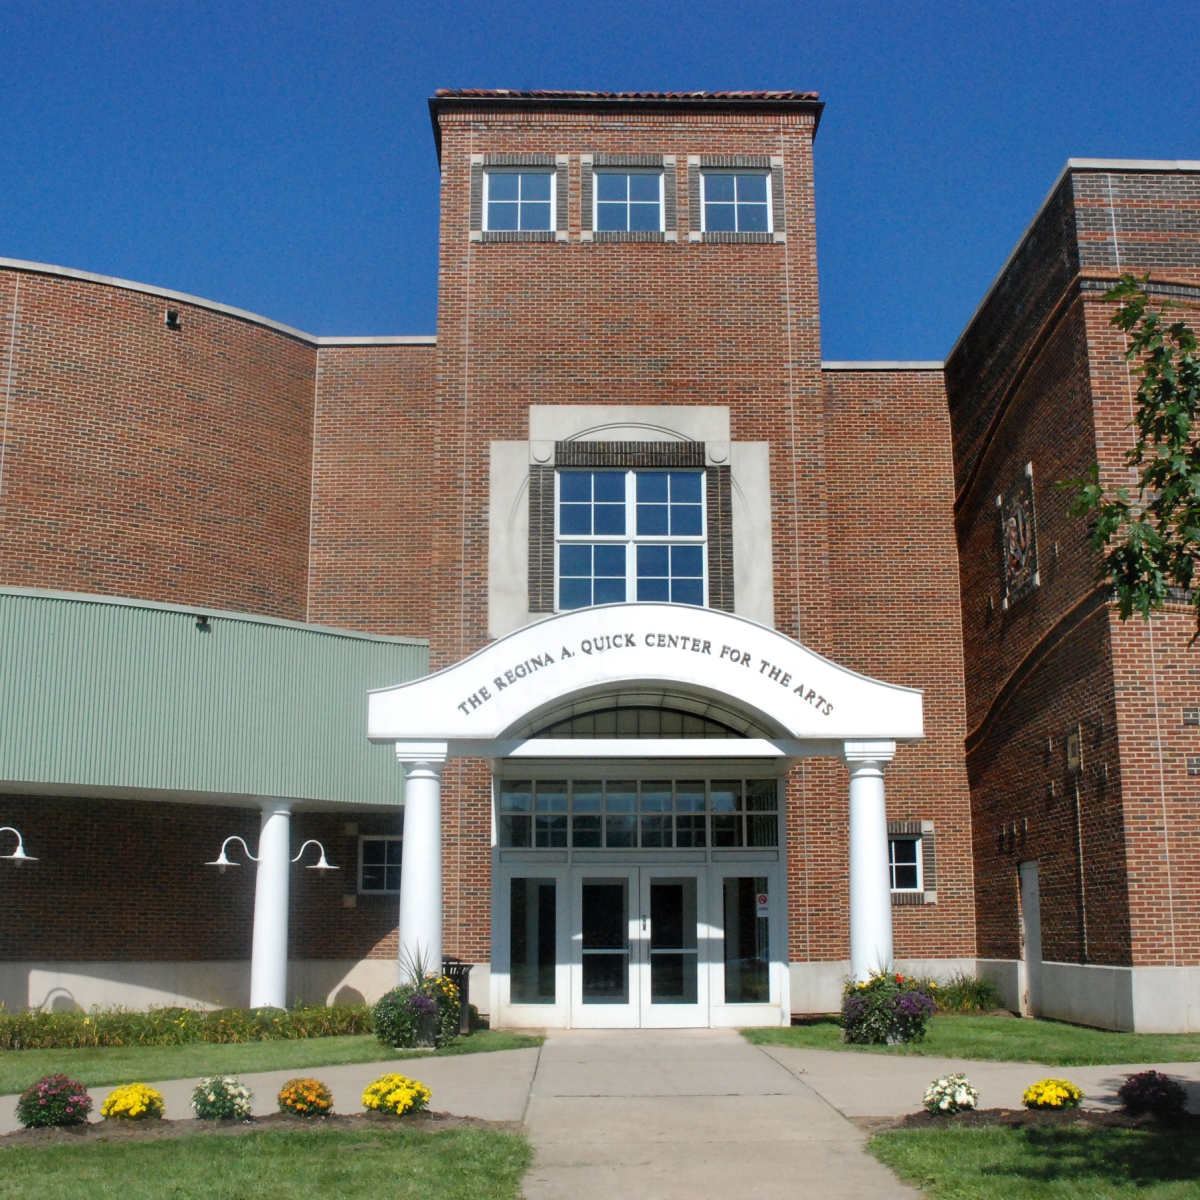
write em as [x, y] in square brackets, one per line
[638, 948]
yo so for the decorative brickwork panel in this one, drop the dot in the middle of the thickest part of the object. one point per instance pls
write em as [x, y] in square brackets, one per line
[733, 161]
[719, 499]
[629, 454]
[695, 224]
[476, 206]
[670, 205]
[519, 235]
[587, 182]
[519, 160]
[778, 208]
[627, 160]
[541, 539]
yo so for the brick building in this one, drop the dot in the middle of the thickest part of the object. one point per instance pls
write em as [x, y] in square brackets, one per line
[231, 553]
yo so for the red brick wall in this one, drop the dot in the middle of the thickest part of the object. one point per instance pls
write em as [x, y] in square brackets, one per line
[369, 558]
[629, 323]
[894, 614]
[168, 465]
[125, 881]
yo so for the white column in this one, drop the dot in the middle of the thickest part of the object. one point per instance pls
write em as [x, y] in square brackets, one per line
[421, 869]
[870, 881]
[269, 956]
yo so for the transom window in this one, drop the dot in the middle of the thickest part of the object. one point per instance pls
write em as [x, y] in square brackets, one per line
[616, 814]
[518, 200]
[617, 528]
[736, 201]
[904, 861]
[379, 863]
[628, 201]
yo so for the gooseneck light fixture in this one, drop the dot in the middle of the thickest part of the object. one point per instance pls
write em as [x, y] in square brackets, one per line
[221, 861]
[18, 857]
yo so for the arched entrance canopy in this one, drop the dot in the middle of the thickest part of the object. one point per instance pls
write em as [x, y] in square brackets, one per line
[813, 705]
[489, 704]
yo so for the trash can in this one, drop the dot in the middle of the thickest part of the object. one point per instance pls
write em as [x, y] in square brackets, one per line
[459, 974]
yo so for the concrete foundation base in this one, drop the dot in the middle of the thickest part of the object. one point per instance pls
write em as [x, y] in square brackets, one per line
[67, 986]
[817, 986]
[1135, 999]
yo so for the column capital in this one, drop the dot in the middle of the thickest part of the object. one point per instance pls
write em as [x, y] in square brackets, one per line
[432, 754]
[868, 752]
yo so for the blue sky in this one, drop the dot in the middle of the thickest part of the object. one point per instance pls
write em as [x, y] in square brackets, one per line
[279, 157]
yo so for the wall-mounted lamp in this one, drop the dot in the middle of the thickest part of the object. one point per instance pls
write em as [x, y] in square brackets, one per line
[173, 319]
[18, 857]
[221, 861]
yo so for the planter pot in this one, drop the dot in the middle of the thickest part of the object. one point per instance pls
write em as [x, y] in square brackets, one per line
[427, 1028]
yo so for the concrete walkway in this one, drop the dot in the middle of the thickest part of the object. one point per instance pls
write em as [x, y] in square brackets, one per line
[697, 1114]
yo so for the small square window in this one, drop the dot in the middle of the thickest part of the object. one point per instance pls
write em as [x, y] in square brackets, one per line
[379, 864]
[904, 861]
[736, 202]
[518, 201]
[628, 201]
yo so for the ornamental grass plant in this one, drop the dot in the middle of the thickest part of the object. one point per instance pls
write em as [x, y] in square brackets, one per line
[396, 1094]
[54, 1100]
[133, 1102]
[223, 1098]
[36, 1030]
[1052, 1093]
[305, 1097]
[886, 1009]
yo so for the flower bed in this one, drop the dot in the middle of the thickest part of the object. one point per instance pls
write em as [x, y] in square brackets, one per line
[54, 1100]
[418, 1014]
[396, 1094]
[177, 1026]
[222, 1098]
[133, 1102]
[305, 1098]
[886, 1008]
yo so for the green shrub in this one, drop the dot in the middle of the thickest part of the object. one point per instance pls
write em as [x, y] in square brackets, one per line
[963, 993]
[414, 1014]
[54, 1100]
[36, 1030]
[887, 1008]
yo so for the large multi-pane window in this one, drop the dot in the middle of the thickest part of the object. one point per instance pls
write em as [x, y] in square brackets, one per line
[518, 200]
[628, 201]
[736, 201]
[630, 535]
[624, 814]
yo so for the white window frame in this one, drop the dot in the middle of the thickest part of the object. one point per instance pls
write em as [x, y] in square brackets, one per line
[378, 837]
[917, 840]
[488, 172]
[597, 171]
[630, 539]
[765, 172]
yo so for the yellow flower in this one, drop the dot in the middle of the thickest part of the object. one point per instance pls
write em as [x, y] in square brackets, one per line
[396, 1094]
[1052, 1093]
[133, 1102]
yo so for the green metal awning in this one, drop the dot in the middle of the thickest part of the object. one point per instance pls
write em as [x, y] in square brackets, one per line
[107, 696]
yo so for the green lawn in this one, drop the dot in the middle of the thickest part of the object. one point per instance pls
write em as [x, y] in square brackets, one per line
[1003, 1039]
[133, 1064]
[457, 1164]
[997, 1163]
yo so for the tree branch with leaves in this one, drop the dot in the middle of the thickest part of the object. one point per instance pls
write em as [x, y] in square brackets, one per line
[1149, 533]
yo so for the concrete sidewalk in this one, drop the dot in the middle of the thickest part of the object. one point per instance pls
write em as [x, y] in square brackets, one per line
[494, 1086]
[660, 1115]
[862, 1084]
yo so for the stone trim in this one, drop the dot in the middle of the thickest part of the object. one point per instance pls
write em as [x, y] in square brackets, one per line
[628, 454]
[541, 539]
[719, 501]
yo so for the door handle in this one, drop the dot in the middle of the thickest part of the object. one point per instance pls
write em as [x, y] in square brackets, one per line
[644, 919]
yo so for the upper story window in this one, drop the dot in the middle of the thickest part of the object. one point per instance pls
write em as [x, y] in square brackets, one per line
[628, 201]
[518, 199]
[904, 862]
[630, 535]
[736, 201]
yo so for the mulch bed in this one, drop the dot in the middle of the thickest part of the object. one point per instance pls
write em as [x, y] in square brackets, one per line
[133, 1131]
[1038, 1118]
